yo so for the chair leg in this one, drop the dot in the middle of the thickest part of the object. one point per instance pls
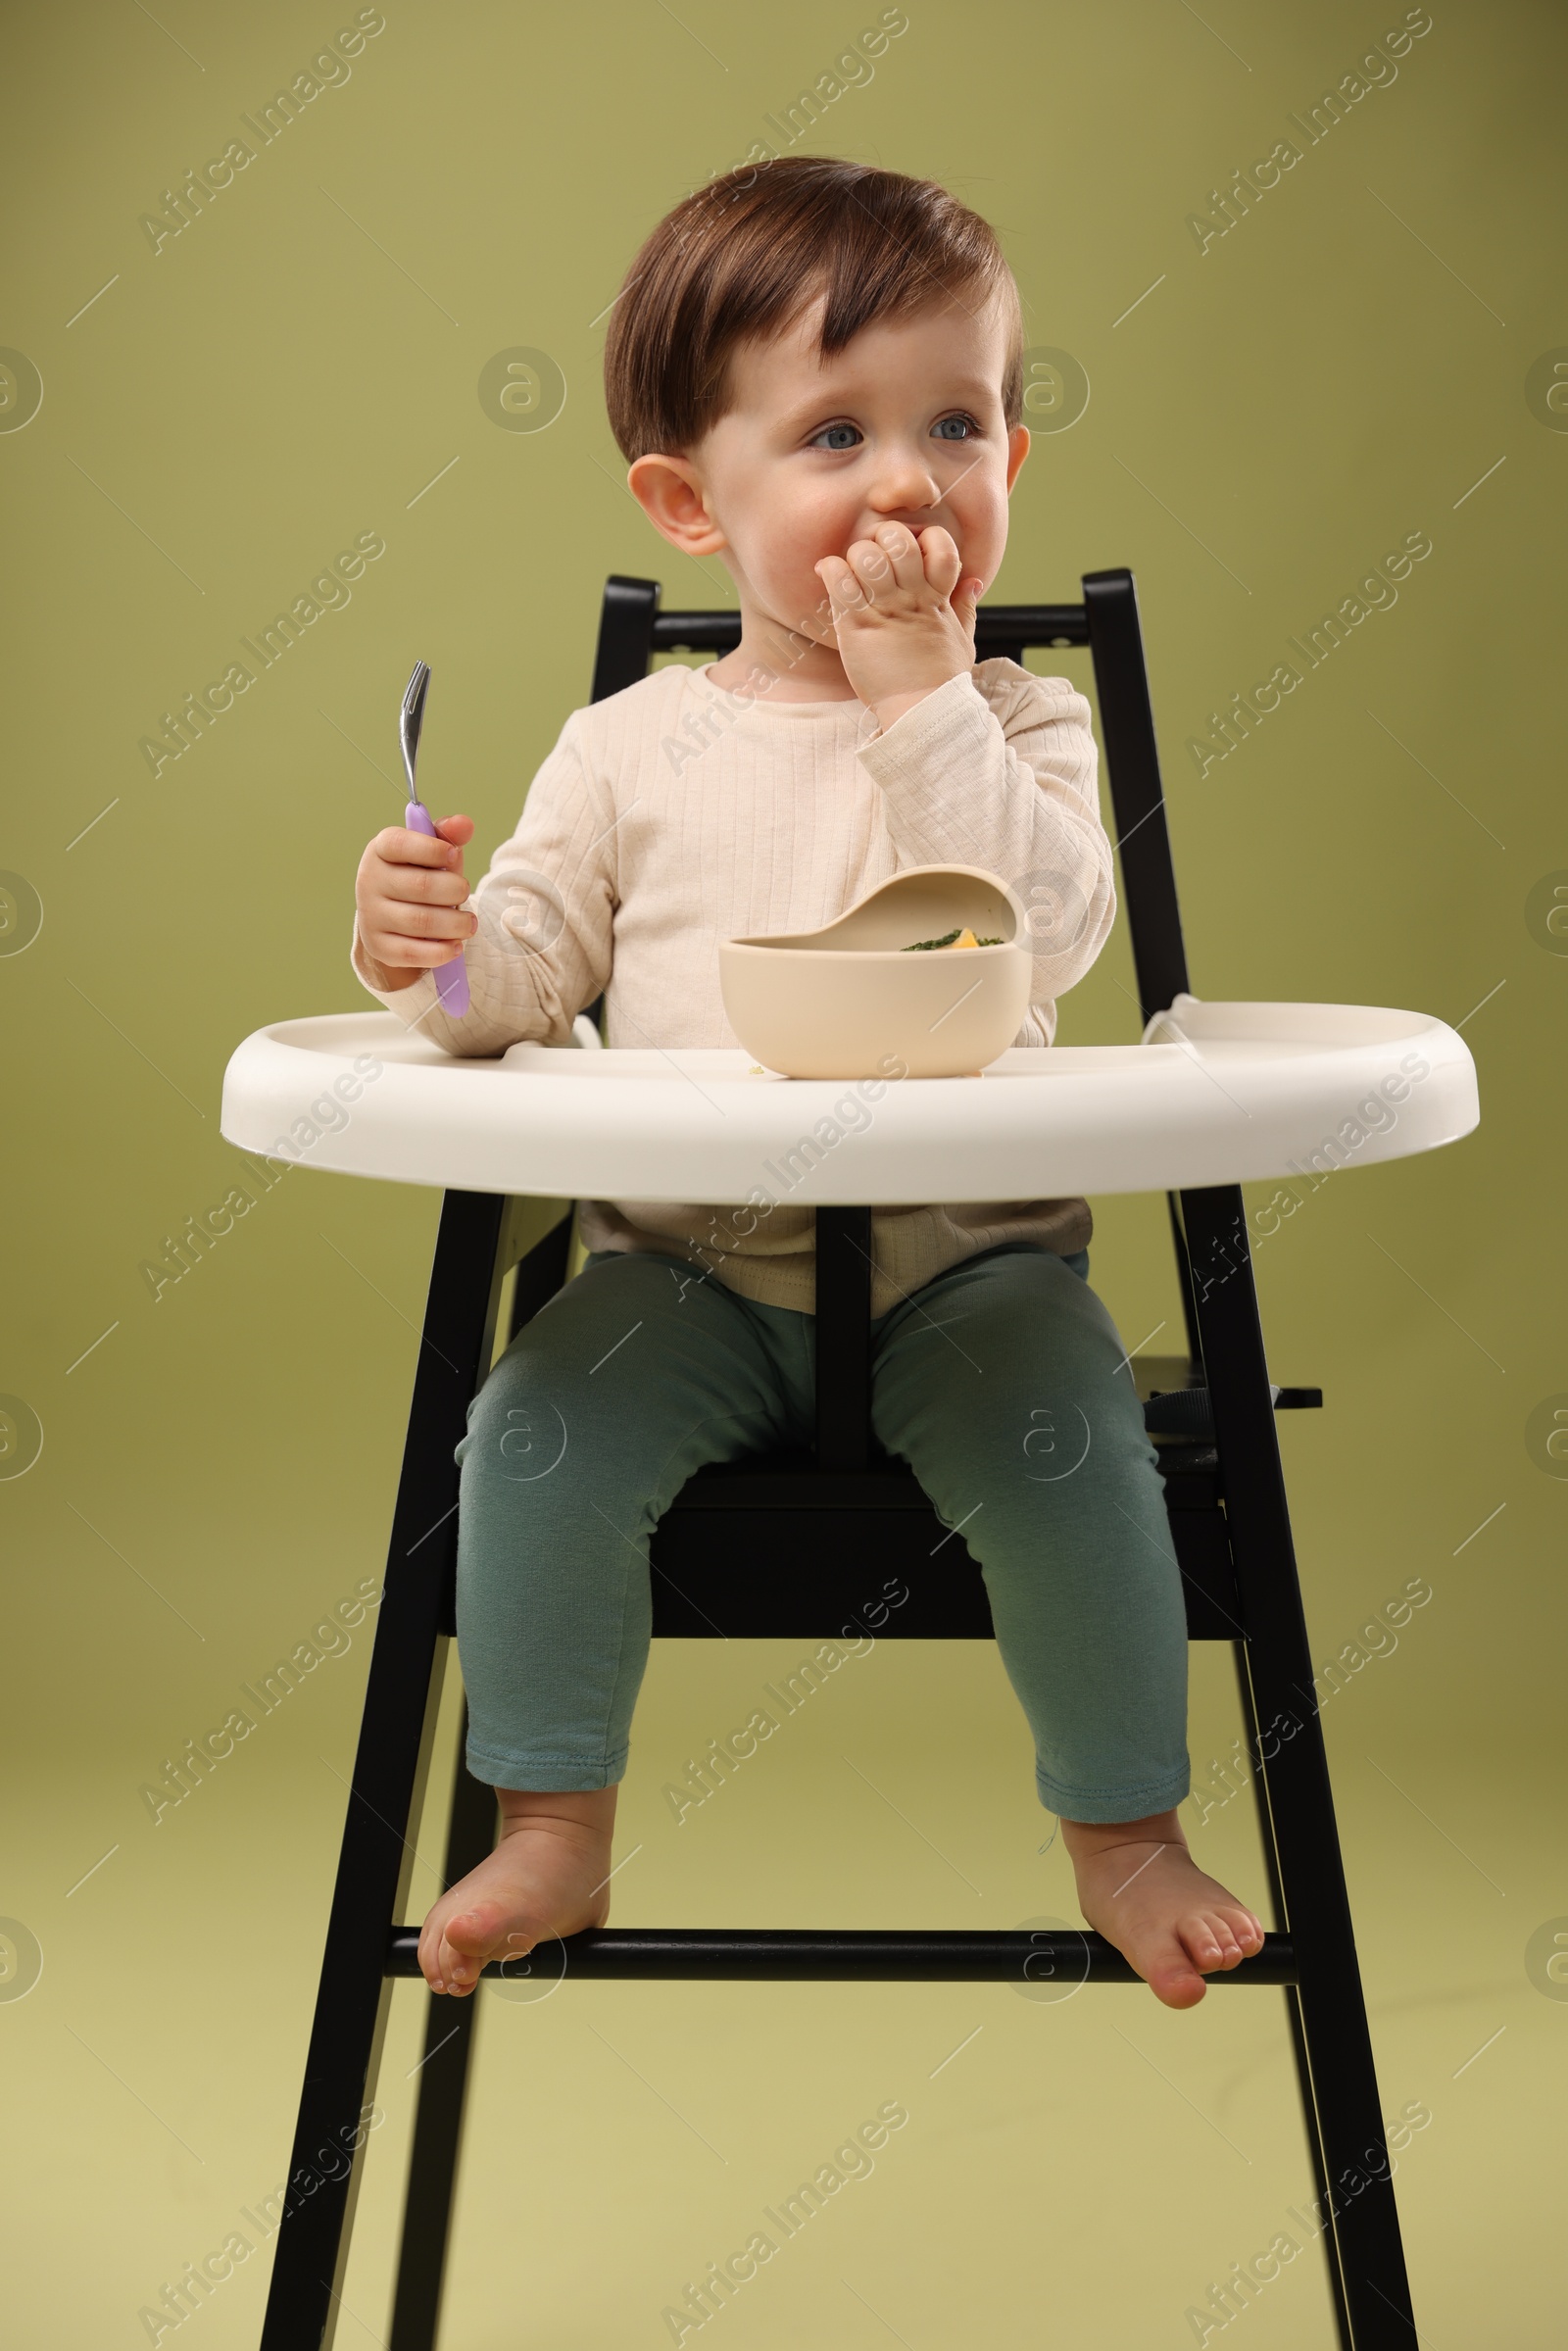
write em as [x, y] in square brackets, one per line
[375, 1863]
[1359, 2216]
[1292, 2004]
[449, 2033]
[450, 2025]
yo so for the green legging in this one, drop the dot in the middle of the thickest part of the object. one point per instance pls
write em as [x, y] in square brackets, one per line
[1003, 1384]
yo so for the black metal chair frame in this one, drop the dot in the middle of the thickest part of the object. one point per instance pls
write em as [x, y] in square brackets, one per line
[1230, 1527]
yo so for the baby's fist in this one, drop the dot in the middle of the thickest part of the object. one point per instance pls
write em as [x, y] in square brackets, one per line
[903, 611]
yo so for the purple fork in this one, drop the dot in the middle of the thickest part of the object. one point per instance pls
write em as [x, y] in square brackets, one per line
[451, 977]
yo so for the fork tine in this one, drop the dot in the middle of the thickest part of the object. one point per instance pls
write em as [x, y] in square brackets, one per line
[411, 722]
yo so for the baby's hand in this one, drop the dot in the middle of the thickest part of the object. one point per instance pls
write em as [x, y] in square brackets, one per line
[409, 892]
[904, 616]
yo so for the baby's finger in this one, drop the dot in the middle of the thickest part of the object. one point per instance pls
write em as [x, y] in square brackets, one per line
[400, 845]
[905, 552]
[398, 948]
[844, 590]
[424, 922]
[872, 568]
[940, 554]
[420, 885]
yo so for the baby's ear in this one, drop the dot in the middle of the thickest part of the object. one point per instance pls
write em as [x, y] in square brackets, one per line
[669, 490]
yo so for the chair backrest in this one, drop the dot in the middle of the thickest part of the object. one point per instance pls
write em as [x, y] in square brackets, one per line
[632, 629]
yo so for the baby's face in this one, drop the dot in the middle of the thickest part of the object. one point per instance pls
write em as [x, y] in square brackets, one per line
[905, 424]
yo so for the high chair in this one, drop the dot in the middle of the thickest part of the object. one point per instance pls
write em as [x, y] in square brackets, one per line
[865, 1514]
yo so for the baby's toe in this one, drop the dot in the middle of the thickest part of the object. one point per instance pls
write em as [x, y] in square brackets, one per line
[1246, 1929]
[472, 1935]
[1170, 1974]
[1205, 1942]
[468, 1939]
[459, 1972]
[1230, 1949]
[429, 1953]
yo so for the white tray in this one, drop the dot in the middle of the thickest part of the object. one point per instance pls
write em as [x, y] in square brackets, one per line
[1219, 1093]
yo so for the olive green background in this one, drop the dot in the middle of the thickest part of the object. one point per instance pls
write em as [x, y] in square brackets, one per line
[1267, 418]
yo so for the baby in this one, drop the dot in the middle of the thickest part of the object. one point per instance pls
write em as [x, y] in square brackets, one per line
[814, 369]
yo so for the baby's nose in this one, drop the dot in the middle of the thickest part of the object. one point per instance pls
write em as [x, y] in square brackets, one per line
[904, 483]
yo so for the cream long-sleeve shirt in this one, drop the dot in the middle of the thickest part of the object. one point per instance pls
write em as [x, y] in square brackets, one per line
[675, 814]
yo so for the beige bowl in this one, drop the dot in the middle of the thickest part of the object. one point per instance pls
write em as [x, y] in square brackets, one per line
[849, 1001]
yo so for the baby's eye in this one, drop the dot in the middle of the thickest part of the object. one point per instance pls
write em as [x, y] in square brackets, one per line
[953, 428]
[826, 437]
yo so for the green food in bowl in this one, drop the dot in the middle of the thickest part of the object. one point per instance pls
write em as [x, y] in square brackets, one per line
[918, 944]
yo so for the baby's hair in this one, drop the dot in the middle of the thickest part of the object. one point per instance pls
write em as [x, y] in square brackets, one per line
[740, 258]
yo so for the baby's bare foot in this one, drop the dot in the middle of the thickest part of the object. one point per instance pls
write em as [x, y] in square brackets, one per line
[1140, 1888]
[549, 1875]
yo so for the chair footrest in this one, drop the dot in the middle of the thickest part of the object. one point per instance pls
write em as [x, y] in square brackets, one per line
[1057, 1961]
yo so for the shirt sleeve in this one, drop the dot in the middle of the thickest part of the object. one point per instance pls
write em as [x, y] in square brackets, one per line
[543, 947]
[998, 768]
